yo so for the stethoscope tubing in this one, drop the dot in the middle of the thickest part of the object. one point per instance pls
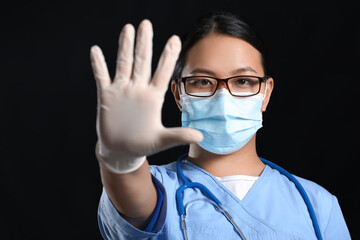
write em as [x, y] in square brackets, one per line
[206, 191]
[302, 193]
[210, 195]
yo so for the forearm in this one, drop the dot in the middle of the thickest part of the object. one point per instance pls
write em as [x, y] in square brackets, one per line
[133, 194]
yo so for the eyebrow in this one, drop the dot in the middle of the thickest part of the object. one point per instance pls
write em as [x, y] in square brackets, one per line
[209, 72]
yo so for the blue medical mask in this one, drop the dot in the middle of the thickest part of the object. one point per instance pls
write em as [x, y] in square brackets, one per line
[227, 122]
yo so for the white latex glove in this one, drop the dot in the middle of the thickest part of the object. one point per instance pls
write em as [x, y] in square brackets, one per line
[129, 108]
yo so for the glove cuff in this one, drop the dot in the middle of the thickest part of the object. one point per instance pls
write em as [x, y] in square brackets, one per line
[117, 162]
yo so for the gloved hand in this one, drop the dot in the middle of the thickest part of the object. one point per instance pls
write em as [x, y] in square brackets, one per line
[129, 108]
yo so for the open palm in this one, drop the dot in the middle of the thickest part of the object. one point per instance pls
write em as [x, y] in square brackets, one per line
[129, 107]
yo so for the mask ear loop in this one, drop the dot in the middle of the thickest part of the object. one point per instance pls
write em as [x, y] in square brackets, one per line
[182, 88]
[265, 89]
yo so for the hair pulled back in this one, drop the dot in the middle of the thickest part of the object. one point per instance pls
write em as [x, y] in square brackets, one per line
[220, 23]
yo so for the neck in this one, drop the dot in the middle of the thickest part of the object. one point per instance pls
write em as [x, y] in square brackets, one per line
[245, 161]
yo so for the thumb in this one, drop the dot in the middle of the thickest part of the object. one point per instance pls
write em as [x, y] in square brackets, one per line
[172, 137]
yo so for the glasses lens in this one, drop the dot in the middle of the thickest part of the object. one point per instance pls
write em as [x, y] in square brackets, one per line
[200, 86]
[244, 85]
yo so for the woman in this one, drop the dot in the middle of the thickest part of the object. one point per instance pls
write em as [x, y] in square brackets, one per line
[220, 84]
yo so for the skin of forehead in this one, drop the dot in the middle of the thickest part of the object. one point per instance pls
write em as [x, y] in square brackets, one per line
[222, 54]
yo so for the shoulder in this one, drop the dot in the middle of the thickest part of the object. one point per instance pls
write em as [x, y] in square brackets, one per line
[327, 209]
[321, 199]
[318, 195]
[164, 173]
[316, 192]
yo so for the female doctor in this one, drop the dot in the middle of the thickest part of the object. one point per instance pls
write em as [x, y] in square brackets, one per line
[220, 189]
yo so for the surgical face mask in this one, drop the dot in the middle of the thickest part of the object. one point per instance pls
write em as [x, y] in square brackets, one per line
[227, 122]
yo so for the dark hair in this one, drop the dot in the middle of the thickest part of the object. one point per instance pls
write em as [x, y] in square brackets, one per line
[221, 23]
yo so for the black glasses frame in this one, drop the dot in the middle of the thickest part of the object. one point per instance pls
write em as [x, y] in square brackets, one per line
[218, 80]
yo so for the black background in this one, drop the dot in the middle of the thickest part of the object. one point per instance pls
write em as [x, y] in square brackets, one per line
[49, 176]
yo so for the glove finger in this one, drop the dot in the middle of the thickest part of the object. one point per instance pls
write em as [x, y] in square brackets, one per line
[143, 53]
[172, 137]
[125, 57]
[167, 63]
[99, 67]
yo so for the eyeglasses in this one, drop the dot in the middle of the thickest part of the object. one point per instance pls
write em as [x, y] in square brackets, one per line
[238, 86]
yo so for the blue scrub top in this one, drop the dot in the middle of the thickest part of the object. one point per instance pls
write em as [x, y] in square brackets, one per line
[272, 209]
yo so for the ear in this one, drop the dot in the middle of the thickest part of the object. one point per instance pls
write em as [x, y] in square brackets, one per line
[269, 89]
[176, 92]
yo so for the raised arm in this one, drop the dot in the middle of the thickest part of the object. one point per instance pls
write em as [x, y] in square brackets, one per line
[129, 124]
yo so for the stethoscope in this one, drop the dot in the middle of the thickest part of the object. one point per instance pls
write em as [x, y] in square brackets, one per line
[210, 195]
